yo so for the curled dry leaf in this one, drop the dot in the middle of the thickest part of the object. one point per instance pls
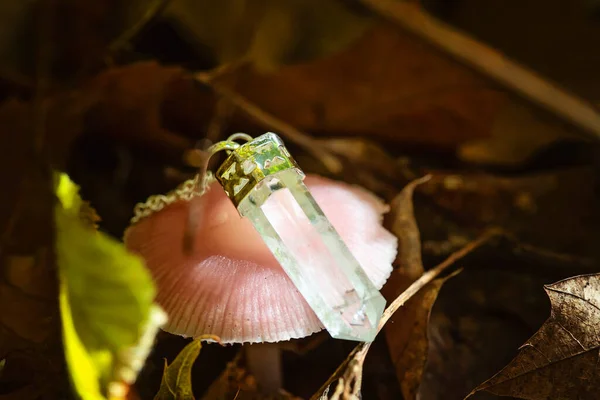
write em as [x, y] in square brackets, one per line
[405, 227]
[561, 360]
[406, 334]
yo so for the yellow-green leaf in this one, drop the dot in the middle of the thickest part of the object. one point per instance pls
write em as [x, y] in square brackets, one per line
[84, 371]
[106, 300]
[177, 378]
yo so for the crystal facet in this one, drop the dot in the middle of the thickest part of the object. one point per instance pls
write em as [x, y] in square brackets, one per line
[309, 248]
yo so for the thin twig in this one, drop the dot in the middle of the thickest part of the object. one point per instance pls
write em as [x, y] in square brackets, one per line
[489, 62]
[294, 135]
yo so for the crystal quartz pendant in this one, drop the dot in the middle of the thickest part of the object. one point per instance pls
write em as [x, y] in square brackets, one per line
[266, 185]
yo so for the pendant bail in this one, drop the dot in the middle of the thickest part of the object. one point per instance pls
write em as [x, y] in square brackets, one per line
[248, 164]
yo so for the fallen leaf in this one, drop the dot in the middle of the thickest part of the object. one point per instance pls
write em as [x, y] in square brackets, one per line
[385, 86]
[404, 226]
[406, 333]
[176, 382]
[561, 360]
[268, 32]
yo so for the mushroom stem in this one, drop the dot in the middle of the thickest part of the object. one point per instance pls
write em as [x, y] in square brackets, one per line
[264, 363]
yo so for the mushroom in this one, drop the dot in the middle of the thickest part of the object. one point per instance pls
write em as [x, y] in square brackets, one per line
[232, 286]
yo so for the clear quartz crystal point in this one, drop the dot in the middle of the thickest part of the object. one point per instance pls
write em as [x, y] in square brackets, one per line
[303, 240]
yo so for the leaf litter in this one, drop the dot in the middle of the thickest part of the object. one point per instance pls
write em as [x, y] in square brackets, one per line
[160, 109]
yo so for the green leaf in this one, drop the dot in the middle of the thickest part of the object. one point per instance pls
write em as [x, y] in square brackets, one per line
[106, 301]
[177, 378]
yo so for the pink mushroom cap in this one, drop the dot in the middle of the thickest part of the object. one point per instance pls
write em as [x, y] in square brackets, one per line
[231, 285]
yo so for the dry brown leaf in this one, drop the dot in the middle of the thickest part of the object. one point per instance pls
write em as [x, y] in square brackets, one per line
[406, 333]
[404, 226]
[561, 360]
[387, 85]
